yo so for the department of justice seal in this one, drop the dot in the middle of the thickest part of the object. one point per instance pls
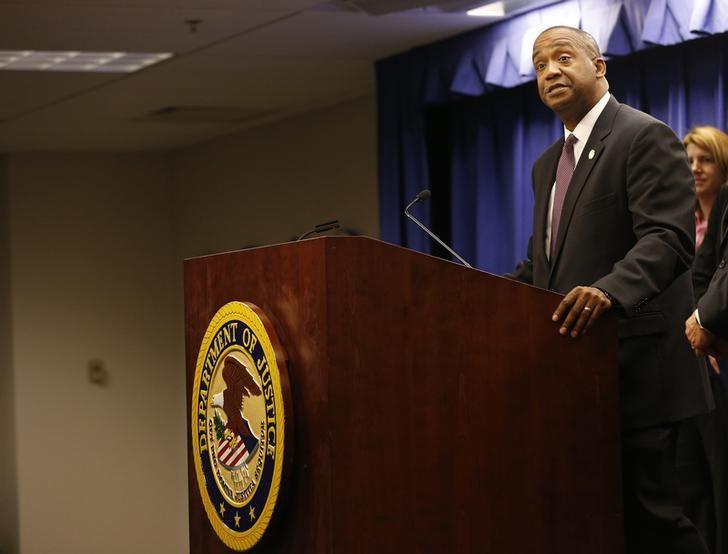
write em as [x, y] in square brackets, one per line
[239, 423]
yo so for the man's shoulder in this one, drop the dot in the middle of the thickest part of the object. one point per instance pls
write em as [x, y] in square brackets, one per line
[723, 193]
[631, 126]
[632, 118]
[721, 203]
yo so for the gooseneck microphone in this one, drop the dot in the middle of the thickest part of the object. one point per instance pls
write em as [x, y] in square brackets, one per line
[421, 197]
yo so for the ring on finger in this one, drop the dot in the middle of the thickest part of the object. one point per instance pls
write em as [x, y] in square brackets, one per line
[587, 309]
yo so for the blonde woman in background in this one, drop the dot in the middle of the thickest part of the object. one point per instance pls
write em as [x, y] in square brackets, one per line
[707, 149]
[702, 455]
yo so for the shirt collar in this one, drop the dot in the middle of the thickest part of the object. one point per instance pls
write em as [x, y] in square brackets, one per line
[585, 126]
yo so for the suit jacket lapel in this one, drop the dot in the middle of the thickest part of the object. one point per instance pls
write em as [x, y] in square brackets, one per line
[583, 168]
[542, 193]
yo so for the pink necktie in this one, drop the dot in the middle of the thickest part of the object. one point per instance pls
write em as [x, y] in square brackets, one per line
[564, 171]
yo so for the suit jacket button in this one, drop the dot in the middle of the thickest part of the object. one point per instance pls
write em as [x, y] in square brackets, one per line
[721, 265]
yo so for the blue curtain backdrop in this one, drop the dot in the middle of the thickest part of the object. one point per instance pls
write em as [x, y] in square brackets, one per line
[462, 117]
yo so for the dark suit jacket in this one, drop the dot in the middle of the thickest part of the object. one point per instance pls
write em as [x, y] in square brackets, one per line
[627, 227]
[709, 270]
[709, 278]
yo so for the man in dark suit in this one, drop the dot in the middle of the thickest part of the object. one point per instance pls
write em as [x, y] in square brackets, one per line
[709, 323]
[614, 231]
[707, 330]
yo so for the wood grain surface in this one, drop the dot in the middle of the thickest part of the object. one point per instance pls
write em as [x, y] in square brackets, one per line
[436, 408]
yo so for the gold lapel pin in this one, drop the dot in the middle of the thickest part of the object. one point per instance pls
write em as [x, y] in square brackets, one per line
[591, 154]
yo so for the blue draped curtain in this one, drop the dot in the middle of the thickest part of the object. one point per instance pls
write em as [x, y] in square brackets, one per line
[449, 122]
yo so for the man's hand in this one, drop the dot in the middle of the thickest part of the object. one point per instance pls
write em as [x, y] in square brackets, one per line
[580, 309]
[700, 339]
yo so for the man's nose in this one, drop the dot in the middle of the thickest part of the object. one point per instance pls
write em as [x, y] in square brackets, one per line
[552, 69]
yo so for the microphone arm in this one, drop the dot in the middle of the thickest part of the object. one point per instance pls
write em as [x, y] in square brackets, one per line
[421, 197]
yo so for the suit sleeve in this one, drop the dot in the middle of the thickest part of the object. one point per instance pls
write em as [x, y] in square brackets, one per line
[524, 269]
[708, 255]
[713, 306]
[711, 267]
[661, 199]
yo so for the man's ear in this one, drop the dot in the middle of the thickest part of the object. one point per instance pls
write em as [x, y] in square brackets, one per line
[601, 67]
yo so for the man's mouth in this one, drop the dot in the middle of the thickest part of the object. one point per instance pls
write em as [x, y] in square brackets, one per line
[555, 87]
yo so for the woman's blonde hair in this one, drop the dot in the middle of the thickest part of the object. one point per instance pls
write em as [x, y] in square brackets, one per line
[711, 140]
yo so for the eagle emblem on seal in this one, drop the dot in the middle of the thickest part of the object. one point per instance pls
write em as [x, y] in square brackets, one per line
[236, 443]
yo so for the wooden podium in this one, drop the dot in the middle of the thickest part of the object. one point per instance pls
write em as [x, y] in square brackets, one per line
[436, 408]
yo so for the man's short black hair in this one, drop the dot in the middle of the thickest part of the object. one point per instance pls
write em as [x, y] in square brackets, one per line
[588, 43]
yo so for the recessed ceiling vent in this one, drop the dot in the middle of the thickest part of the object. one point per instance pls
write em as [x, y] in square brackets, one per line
[207, 114]
[383, 7]
[379, 7]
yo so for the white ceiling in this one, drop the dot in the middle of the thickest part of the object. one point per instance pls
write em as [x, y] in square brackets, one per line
[269, 58]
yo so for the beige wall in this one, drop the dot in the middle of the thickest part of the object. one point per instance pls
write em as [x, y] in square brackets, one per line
[8, 476]
[96, 256]
[100, 469]
[273, 183]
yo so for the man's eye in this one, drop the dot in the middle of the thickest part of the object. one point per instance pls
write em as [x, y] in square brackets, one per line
[540, 66]
[564, 58]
